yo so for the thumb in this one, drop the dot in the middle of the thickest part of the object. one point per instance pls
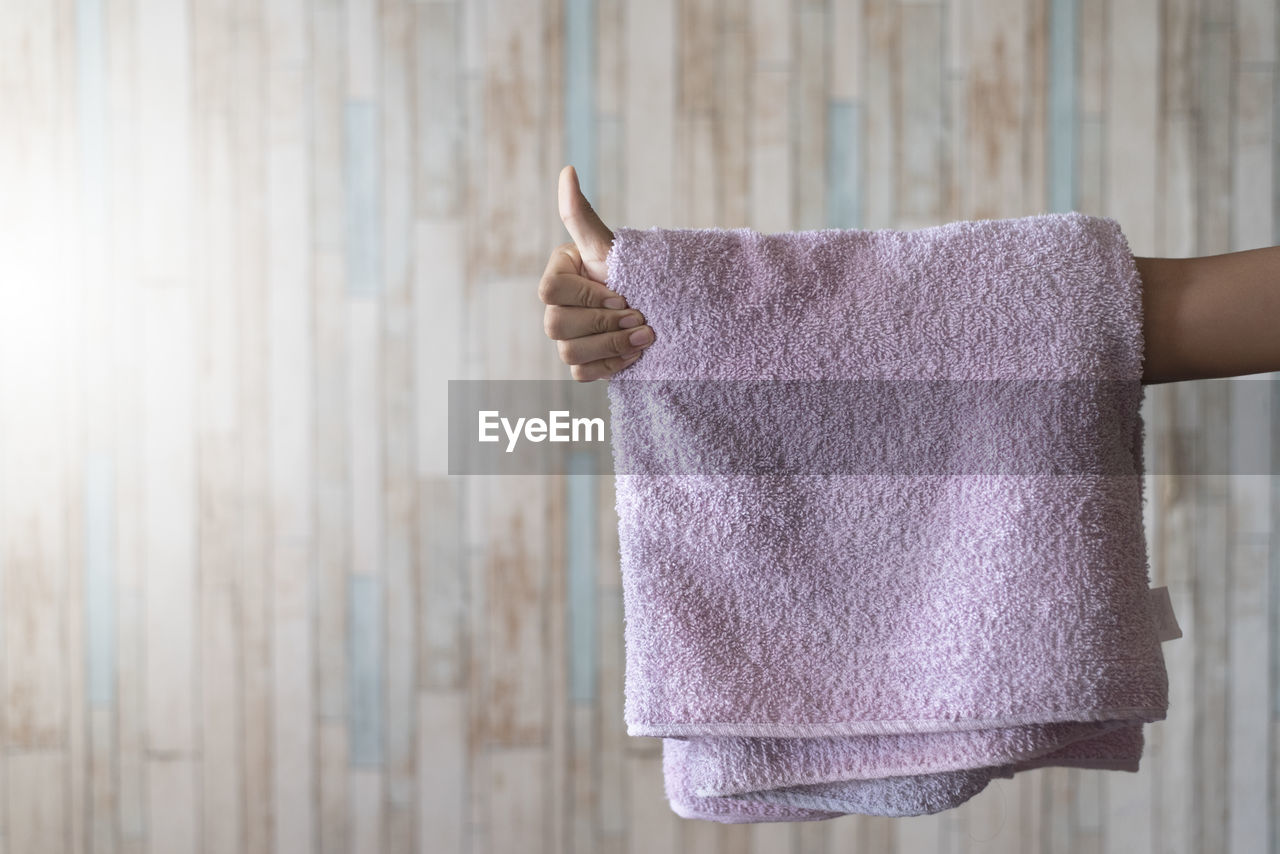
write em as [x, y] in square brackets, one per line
[593, 238]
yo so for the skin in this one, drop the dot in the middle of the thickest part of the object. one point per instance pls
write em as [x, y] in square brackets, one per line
[1204, 318]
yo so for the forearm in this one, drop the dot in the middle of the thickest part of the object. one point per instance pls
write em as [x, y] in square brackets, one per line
[1212, 316]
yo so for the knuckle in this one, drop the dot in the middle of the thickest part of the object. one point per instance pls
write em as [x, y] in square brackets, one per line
[544, 289]
[620, 343]
[578, 373]
[551, 323]
[600, 322]
[568, 353]
[584, 293]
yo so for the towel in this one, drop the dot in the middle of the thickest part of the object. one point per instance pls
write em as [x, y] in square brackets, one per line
[879, 501]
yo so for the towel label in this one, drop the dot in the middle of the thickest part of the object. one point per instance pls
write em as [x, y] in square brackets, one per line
[1162, 612]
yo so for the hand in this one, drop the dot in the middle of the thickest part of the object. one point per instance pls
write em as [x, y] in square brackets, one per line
[592, 324]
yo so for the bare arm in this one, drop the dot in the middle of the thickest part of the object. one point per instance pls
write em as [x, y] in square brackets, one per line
[1212, 316]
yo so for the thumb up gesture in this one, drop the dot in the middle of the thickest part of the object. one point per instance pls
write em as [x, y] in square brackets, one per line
[596, 333]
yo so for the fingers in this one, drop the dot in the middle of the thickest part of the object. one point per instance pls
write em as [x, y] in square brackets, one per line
[561, 322]
[601, 369]
[591, 348]
[563, 283]
[592, 237]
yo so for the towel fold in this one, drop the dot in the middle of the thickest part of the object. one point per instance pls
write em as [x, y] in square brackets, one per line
[880, 512]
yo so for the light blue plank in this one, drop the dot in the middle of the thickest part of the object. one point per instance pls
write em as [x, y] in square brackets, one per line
[99, 580]
[580, 150]
[581, 539]
[364, 660]
[1063, 128]
[579, 90]
[844, 164]
[362, 173]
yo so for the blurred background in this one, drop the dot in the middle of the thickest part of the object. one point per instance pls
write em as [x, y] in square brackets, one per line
[245, 243]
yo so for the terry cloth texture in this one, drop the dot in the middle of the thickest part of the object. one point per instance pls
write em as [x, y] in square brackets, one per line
[832, 605]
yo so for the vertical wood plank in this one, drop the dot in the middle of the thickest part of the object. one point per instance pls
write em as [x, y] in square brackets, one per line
[164, 118]
[769, 124]
[1214, 96]
[955, 66]
[333, 796]
[1249, 665]
[1062, 111]
[610, 724]
[1251, 157]
[399, 481]
[368, 833]
[36, 806]
[126, 820]
[584, 785]
[880, 124]
[169, 494]
[102, 833]
[442, 772]
[994, 94]
[1035, 108]
[1255, 26]
[729, 134]
[438, 127]
[514, 200]
[1212, 618]
[173, 820]
[697, 835]
[846, 57]
[920, 180]
[518, 819]
[772, 838]
[924, 832]
[333, 536]
[1090, 787]
[220, 820]
[1093, 48]
[652, 826]
[169, 518]
[1092, 98]
[249, 117]
[34, 387]
[648, 113]
[1056, 805]
[1128, 814]
[1248, 724]
[810, 837]
[771, 173]
[217, 443]
[557, 802]
[1132, 48]
[291, 412]
[809, 116]
[365, 597]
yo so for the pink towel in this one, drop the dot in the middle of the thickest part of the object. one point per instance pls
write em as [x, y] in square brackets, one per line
[880, 513]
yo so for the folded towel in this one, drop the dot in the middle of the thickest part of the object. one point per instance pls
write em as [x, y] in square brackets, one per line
[832, 603]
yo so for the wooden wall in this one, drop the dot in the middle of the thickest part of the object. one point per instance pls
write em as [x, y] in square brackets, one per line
[245, 243]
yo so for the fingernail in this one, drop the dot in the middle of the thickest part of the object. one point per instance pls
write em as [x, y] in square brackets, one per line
[615, 302]
[629, 321]
[641, 336]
